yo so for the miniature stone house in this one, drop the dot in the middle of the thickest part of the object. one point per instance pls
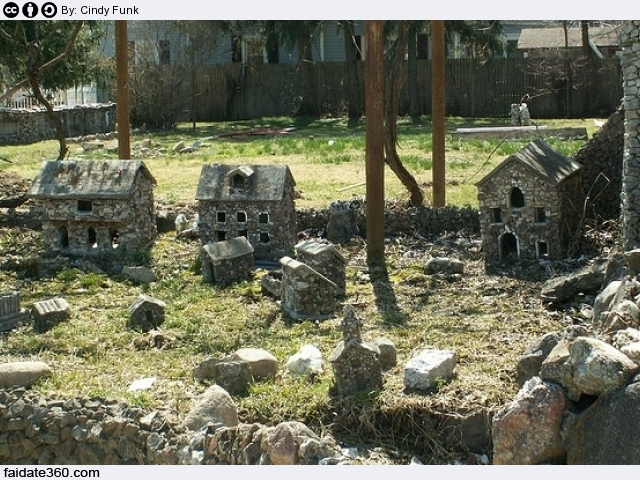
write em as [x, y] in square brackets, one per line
[146, 313]
[228, 261]
[252, 201]
[91, 207]
[530, 206]
[356, 364]
[305, 292]
[325, 259]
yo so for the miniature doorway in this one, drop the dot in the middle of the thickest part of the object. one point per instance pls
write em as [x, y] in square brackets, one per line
[508, 247]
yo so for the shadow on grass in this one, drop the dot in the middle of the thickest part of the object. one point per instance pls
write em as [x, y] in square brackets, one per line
[385, 296]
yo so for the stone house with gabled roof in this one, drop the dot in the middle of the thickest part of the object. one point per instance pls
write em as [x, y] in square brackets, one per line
[95, 207]
[252, 201]
[530, 206]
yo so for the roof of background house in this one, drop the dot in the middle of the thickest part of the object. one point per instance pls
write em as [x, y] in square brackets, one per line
[553, 38]
[542, 160]
[87, 179]
[267, 182]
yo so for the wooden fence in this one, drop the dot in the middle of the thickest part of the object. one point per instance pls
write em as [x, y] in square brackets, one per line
[474, 88]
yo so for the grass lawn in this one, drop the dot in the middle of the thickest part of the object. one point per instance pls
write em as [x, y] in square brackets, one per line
[487, 320]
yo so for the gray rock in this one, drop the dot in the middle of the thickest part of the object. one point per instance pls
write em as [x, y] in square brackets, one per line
[22, 374]
[388, 357]
[234, 376]
[607, 432]
[531, 360]
[282, 442]
[527, 430]
[423, 371]
[443, 265]
[146, 313]
[205, 370]
[588, 279]
[262, 364]
[139, 274]
[216, 407]
[587, 366]
[48, 313]
[178, 146]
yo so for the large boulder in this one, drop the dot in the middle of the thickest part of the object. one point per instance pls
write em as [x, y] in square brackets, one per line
[587, 366]
[586, 280]
[531, 360]
[215, 407]
[527, 431]
[606, 433]
[234, 377]
[282, 442]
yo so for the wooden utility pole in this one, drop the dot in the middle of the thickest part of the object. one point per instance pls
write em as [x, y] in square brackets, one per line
[438, 111]
[374, 158]
[122, 80]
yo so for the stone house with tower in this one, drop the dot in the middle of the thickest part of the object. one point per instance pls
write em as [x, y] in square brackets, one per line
[530, 206]
[252, 201]
[95, 207]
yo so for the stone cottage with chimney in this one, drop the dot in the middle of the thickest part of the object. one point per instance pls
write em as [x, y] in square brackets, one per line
[252, 201]
[530, 206]
[95, 207]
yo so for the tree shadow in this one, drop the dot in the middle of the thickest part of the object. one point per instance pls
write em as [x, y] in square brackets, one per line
[385, 296]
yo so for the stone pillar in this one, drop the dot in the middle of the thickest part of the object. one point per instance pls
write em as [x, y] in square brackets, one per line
[630, 63]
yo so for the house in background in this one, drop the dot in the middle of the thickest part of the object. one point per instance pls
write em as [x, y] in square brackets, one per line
[252, 201]
[604, 41]
[94, 207]
[530, 206]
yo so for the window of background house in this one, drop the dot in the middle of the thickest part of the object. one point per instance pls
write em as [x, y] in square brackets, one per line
[496, 215]
[84, 206]
[263, 218]
[540, 215]
[221, 217]
[241, 217]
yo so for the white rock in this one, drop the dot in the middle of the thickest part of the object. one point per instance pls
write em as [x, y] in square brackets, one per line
[422, 371]
[307, 360]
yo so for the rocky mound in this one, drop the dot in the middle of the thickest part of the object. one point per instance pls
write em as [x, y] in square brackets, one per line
[13, 189]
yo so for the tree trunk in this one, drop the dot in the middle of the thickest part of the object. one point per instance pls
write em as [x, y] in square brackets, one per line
[53, 116]
[393, 90]
[353, 78]
[412, 68]
[308, 106]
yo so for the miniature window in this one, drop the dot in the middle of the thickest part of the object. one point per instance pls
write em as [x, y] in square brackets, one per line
[264, 237]
[540, 215]
[84, 206]
[238, 182]
[241, 217]
[496, 215]
[543, 249]
[115, 238]
[64, 237]
[221, 235]
[92, 238]
[221, 217]
[263, 218]
[243, 233]
[517, 198]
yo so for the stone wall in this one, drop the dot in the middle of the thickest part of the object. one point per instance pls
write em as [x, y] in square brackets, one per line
[601, 160]
[630, 63]
[24, 126]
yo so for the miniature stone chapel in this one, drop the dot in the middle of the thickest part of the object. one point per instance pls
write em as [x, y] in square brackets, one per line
[530, 206]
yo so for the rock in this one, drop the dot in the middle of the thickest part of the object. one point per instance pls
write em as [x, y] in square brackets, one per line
[22, 374]
[205, 370]
[444, 265]
[139, 274]
[178, 146]
[388, 355]
[531, 360]
[587, 366]
[605, 299]
[307, 360]
[216, 407]
[48, 313]
[606, 433]
[626, 337]
[422, 371]
[235, 377]
[527, 430]
[624, 315]
[146, 313]
[632, 259]
[187, 150]
[588, 279]
[282, 442]
[262, 364]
